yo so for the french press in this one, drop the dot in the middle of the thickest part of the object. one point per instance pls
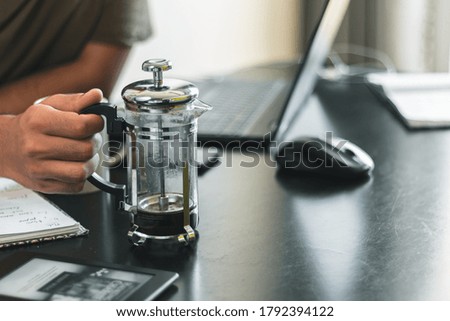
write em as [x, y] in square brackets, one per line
[160, 130]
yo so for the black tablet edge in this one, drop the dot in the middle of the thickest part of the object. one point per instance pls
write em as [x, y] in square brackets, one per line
[159, 281]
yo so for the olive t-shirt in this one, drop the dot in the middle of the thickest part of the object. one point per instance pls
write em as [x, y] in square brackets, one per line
[39, 34]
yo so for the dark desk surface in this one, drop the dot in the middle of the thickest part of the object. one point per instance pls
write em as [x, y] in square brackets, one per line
[266, 236]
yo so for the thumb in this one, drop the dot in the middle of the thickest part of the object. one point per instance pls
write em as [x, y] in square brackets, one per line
[74, 102]
[92, 97]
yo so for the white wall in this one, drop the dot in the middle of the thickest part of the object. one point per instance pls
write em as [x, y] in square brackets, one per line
[207, 37]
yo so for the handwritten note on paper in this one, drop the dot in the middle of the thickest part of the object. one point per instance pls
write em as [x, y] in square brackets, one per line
[24, 211]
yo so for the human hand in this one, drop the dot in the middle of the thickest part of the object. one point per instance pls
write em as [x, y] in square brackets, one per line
[50, 147]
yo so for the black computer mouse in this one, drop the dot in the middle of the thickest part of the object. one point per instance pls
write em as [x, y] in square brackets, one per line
[335, 157]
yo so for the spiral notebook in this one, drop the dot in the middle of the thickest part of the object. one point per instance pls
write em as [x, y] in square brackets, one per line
[26, 217]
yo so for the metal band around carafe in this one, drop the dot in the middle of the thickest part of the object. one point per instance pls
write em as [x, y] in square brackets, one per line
[138, 238]
[166, 133]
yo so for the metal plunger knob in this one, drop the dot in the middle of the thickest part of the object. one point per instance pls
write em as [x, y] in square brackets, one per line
[157, 66]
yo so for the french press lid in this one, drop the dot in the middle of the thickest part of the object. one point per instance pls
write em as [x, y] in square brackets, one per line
[157, 93]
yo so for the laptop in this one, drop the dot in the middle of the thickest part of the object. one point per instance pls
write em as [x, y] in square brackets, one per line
[261, 102]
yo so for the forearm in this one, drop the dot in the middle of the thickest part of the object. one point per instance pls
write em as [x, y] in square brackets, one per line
[98, 66]
[15, 97]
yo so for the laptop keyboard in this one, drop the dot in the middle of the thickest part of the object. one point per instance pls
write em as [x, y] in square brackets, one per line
[236, 105]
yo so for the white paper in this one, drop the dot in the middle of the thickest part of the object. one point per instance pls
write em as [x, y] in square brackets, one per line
[411, 81]
[24, 211]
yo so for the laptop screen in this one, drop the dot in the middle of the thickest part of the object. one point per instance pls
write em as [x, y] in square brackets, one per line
[315, 56]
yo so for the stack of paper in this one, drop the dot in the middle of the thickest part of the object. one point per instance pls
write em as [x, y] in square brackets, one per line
[422, 100]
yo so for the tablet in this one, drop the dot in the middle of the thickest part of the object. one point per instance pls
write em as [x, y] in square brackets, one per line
[38, 276]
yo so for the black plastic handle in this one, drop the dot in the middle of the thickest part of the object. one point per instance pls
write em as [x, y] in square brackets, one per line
[114, 125]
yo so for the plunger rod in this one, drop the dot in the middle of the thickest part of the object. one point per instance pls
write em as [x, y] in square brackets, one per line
[163, 200]
[186, 183]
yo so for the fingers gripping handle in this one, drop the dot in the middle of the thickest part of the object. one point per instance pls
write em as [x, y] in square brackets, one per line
[114, 125]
